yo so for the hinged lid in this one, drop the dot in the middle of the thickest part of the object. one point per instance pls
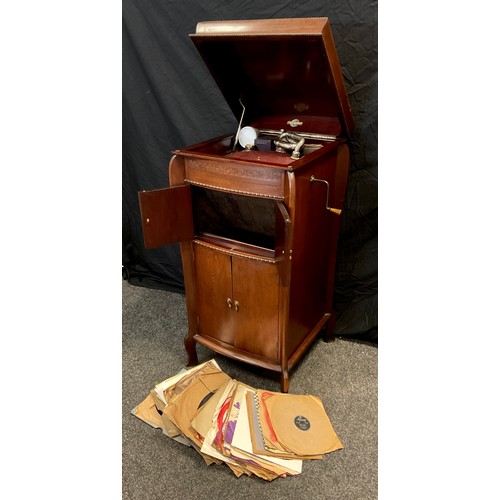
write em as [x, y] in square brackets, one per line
[285, 71]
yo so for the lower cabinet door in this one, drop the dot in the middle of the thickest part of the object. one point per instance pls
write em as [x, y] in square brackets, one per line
[214, 294]
[256, 298]
[237, 301]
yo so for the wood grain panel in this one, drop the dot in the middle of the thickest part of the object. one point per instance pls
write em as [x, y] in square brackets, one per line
[256, 291]
[213, 289]
[166, 216]
[253, 180]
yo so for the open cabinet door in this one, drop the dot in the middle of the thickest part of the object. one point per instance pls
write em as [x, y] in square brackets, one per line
[283, 242]
[166, 216]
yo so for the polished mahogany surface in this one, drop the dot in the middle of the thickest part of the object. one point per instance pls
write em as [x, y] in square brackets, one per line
[288, 67]
[260, 268]
[258, 234]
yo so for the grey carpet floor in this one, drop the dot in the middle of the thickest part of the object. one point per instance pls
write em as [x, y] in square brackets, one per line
[343, 374]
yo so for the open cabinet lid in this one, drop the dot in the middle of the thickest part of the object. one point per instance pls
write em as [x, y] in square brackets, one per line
[285, 71]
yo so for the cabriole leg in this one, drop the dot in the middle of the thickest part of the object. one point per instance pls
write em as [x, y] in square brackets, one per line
[285, 380]
[190, 346]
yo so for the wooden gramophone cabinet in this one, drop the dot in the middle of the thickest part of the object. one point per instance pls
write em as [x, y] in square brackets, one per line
[257, 228]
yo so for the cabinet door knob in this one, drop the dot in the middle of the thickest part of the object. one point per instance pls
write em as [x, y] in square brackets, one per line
[236, 306]
[229, 303]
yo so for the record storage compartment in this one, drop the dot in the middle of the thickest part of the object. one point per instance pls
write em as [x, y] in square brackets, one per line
[229, 217]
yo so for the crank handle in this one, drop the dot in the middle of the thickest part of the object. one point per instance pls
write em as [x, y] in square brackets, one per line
[336, 211]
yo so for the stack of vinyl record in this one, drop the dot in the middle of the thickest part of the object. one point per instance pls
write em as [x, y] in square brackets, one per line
[254, 432]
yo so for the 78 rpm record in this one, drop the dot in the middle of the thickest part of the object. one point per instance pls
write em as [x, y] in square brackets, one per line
[301, 424]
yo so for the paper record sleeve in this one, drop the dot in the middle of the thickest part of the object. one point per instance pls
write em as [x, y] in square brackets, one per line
[302, 425]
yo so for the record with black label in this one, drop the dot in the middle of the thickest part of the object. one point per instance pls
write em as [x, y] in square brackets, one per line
[301, 424]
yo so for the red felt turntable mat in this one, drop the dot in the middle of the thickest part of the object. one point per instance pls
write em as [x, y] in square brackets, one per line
[302, 425]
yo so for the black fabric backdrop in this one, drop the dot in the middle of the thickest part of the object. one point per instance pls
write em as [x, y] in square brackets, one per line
[170, 101]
